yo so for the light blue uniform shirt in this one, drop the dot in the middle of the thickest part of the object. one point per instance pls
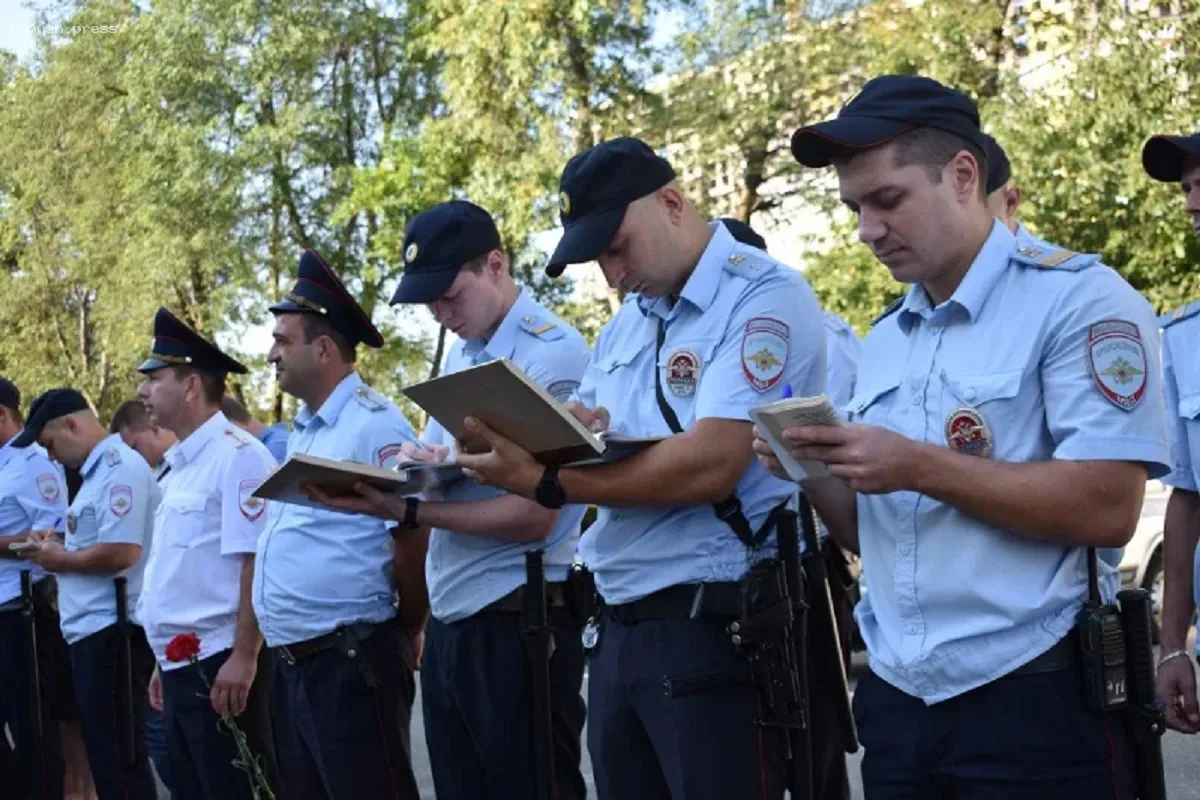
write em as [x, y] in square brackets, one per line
[465, 572]
[33, 497]
[1181, 382]
[1059, 358]
[114, 505]
[318, 568]
[743, 326]
[275, 437]
[842, 350]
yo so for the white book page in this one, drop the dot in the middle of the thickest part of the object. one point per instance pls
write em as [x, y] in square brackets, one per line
[794, 412]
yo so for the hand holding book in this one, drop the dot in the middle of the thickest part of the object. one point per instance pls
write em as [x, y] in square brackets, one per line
[791, 412]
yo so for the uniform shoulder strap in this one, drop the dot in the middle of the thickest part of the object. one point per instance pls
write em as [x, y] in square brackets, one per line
[1179, 314]
[1057, 258]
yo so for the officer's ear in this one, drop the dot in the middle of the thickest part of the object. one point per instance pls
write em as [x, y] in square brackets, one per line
[966, 178]
[1012, 200]
[496, 265]
[673, 202]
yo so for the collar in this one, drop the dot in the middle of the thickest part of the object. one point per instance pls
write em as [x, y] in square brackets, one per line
[504, 340]
[94, 457]
[982, 276]
[6, 452]
[701, 287]
[187, 450]
[331, 409]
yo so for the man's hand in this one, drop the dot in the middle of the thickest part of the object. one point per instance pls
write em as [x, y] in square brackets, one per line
[369, 500]
[232, 686]
[766, 456]
[871, 460]
[595, 420]
[505, 464]
[418, 647]
[155, 690]
[1176, 682]
[50, 554]
[433, 454]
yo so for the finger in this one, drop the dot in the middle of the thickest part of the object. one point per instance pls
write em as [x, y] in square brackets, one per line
[440, 451]
[480, 430]
[603, 419]
[238, 701]
[220, 698]
[410, 450]
[1188, 696]
[368, 491]
[762, 448]
[1175, 721]
[818, 434]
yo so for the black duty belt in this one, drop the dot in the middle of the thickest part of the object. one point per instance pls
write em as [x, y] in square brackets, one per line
[297, 652]
[1064, 655]
[556, 597]
[684, 600]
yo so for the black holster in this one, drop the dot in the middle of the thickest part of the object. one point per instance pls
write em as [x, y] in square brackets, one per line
[1144, 714]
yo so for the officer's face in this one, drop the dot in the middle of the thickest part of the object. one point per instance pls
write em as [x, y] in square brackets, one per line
[164, 395]
[644, 255]
[147, 442]
[294, 358]
[1191, 190]
[473, 306]
[912, 223]
[61, 440]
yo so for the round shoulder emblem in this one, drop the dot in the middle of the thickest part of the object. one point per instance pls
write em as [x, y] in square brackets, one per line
[683, 370]
[967, 433]
[410, 252]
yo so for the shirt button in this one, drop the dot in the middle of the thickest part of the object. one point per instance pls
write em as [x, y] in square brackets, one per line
[916, 401]
[969, 394]
[904, 550]
[911, 629]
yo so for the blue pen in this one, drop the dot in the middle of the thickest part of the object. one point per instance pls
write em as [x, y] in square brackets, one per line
[787, 391]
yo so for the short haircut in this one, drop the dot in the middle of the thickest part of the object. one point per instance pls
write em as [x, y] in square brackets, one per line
[314, 326]
[477, 263]
[130, 415]
[213, 386]
[234, 411]
[929, 148]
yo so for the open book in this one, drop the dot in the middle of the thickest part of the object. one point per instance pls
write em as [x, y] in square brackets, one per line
[774, 418]
[511, 403]
[337, 478]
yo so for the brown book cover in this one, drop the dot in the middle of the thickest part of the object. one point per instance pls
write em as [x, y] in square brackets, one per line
[338, 477]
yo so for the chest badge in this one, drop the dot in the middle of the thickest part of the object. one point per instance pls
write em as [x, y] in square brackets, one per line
[120, 500]
[1117, 361]
[72, 522]
[967, 432]
[683, 370]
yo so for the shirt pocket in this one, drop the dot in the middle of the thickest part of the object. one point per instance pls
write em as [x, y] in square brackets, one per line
[1189, 407]
[618, 388]
[183, 520]
[873, 396]
[992, 397]
[82, 530]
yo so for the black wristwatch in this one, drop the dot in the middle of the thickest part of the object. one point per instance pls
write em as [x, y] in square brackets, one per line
[549, 491]
[410, 513]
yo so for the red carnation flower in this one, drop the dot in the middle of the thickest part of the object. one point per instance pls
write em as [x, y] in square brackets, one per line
[183, 647]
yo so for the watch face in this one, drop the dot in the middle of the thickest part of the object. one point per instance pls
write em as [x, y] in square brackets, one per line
[549, 492]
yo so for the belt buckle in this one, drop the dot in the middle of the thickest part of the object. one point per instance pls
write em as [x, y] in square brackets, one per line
[287, 655]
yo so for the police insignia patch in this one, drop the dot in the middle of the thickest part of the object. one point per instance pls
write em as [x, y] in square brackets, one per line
[251, 507]
[388, 455]
[765, 344]
[47, 486]
[410, 252]
[967, 432]
[562, 390]
[1117, 361]
[72, 522]
[683, 371]
[120, 500]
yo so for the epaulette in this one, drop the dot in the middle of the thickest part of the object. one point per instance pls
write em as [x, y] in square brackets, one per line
[749, 263]
[835, 323]
[1179, 314]
[239, 438]
[113, 456]
[370, 399]
[893, 308]
[1053, 258]
[543, 329]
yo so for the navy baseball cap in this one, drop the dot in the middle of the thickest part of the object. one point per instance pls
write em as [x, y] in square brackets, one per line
[1163, 156]
[437, 244]
[743, 232]
[318, 290]
[596, 187]
[46, 408]
[999, 170]
[175, 344]
[888, 107]
[10, 395]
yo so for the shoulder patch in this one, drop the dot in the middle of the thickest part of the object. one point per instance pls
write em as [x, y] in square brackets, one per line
[47, 486]
[251, 507]
[765, 346]
[1053, 258]
[237, 437]
[893, 308]
[1179, 314]
[542, 328]
[369, 398]
[113, 456]
[120, 500]
[749, 263]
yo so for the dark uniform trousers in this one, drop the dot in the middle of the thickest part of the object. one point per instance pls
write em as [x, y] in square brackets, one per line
[704, 745]
[476, 697]
[339, 737]
[118, 773]
[34, 770]
[1025, 737]
[200, 747]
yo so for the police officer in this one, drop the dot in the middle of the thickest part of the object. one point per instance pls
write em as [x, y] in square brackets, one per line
[109, 525]
[830, 778]
[1008, 413]
[33, 497]
[1176, 159]
[199, 575]
[730, 326]
[478, 725]
[326, 582]
[273, 436]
